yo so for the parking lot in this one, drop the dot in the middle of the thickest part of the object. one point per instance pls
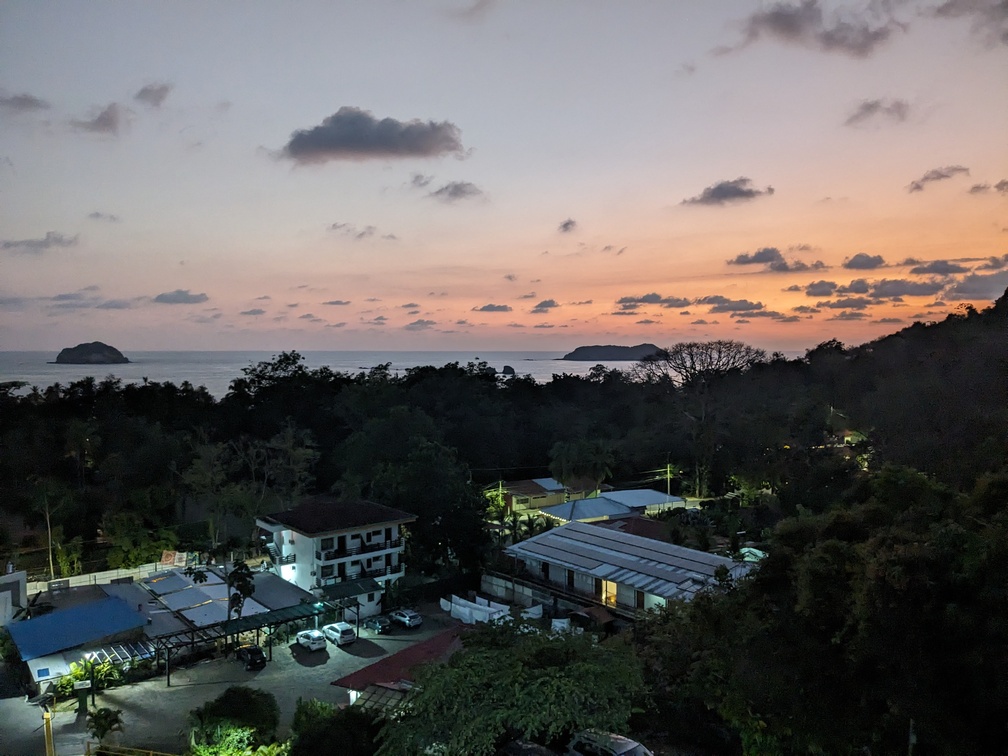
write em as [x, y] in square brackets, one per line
[155, 715]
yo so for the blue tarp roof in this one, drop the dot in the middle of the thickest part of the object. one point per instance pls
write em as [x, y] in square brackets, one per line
[72, 627]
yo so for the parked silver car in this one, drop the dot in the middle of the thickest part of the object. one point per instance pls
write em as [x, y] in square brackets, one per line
[406, 617]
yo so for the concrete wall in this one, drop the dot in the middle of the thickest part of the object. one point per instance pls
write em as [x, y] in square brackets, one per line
[100, 578]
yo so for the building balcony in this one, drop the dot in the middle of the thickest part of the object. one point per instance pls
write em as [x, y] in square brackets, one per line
[366, 548]
[565, 592]
[377, 574]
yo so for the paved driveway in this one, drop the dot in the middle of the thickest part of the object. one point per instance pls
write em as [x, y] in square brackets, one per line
[155, 716]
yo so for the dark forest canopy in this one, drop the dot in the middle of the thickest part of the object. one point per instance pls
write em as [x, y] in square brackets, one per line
[882, 600]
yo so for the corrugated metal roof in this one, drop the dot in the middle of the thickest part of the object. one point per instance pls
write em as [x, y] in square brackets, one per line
[661, 569]
[586, 509]
[72, 627]
[641, 497]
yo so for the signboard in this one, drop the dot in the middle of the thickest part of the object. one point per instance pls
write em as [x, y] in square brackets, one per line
[82, 685]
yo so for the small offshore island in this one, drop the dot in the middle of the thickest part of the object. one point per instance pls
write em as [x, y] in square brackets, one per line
[611, 353]
[94, 353]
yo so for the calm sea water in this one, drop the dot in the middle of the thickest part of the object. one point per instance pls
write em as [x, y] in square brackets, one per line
[216, 370]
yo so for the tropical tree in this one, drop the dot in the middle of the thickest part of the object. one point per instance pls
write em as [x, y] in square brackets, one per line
[103, 722]
[241, 586]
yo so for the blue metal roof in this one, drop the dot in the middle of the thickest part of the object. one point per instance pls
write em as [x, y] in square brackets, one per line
[587, 509]
[550, 484]
[72, 627]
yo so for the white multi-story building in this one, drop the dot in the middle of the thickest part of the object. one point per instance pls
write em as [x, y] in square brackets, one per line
[345, 549]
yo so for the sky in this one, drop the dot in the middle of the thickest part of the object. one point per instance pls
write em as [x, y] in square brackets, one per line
[497, 175]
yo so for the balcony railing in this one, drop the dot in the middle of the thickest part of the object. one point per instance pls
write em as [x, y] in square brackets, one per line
[286, 559]
[380, 572]
[367, 548]
[563, 591]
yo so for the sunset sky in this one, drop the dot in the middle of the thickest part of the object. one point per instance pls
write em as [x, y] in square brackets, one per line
[497, 175]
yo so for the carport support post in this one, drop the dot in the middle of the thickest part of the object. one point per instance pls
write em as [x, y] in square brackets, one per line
[167, 667]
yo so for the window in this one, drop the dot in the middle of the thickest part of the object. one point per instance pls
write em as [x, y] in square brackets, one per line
[370, 598]
[327, 570]
[570, 579]
[640, 599]
[545, 570]
[327, 544]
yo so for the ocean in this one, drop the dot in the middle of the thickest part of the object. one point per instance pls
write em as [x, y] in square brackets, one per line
[216, 370]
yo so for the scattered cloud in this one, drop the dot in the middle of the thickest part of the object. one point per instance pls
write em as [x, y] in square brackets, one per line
[634, 303]
[719, 303]
[153, 94]
[846, 315]
[821, 289]
[311, 317]
[936, 174]
[510, 277]
[989, 17]
[180, 296]
[888, 109]
[108, 121]
[774, 261]
[582, 302]
[51, 240]
[420, 325]
[530, 295]
[107, 217]
[355, 134]
[114, 304]
[409, 306]
[723, 192]
[900, 287]
[699, 321]
[805, 309]
[493, 308]
[567, 226]
[337, 302]
[995, 263]
[22, 103]
[544, 325]
[804, 23]
[646, 321]
[544, 306]
[1001, 187]
[979, 286]
[355, 233]
[857, 286]
[938, 268]
[454, 191]
[253, 312]
[864, 261]
[847, 303]
[377, 320]
[888, 321]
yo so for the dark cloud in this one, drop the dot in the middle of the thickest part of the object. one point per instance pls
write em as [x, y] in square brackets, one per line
[766, 255]
[805, 309]
[849, 316]
[51, 240]
[530, 295]
[989, 17]
[107, 122]
[979, 188]
[22, 103]
[510, 277]
[847, 303]
[583, 302]
[857, 286]
[820, 289]
[545, 306]
[646, 321]
[341, 324]
[337, 302]
[633, 303]
[456, 190]
[1002, 186]
[794, 266]
[567, 226]
[888, 321]
[355, 134]
[419, 325]
[793, 287]
[938, 268]
[421, 181]
[864, 261]
[723, 192]
[493, 308]
[180, 296]
[699, 321]
[355, 233]
[936, 174]
[114, 304]
[995, 263]
[544, 325]
[805, 24]
[978, 286]
[108, 217]
[723, 304]
[254, 311]
[772, 314]
[311, 317]
[263, 297]
[899, 287]
[893, 110]
[153, 94]
[377, 320]
[409, 306]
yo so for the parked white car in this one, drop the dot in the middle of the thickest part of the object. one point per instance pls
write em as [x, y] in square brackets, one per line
[340, 633]
[594, 743]
[313, 640]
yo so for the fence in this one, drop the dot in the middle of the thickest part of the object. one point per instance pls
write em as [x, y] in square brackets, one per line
[97, 578]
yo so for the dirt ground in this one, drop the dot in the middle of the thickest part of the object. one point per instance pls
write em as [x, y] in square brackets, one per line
[155, 715]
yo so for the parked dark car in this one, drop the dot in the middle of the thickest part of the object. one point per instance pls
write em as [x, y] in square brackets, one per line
[251, 656]
[378, 624]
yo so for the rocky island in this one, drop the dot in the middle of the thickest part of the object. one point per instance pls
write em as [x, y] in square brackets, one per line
[95, 353]
[610, 353]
